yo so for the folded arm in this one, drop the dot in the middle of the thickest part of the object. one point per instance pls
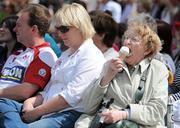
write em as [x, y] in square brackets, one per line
[54, 105]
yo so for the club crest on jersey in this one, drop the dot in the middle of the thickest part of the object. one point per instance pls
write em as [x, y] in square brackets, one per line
[42, 72]
[14, 74]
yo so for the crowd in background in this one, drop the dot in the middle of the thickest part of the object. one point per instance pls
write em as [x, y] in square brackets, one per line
[165, 10]
[162, 17]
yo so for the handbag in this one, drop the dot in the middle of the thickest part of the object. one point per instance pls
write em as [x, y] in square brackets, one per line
[120, 124]
[123, 123]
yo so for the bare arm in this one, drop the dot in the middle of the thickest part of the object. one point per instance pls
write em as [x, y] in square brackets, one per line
[54, 105]
[32, 102]
[19, 92]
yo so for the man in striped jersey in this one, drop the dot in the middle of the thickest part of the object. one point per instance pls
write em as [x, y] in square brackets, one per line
[25, 73]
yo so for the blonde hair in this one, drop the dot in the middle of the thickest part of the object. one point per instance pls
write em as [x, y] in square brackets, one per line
[52, 28]
[75, 15]
[147, 36]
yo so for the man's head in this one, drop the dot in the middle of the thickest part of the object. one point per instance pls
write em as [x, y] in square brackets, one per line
[33, 21]
[38, 15]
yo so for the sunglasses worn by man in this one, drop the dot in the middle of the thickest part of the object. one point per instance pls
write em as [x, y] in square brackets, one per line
[62, 28]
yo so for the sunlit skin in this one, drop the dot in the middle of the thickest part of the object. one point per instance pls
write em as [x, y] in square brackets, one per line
[137, 51]
[73, 38]
[99, 43]
[23, 30]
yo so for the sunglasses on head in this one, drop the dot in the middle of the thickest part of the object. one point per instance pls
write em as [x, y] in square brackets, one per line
[63, 29]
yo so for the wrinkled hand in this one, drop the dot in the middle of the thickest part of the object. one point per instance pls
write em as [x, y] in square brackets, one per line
[113, 116]
[30, 116]
[113, 67]
[116, 65]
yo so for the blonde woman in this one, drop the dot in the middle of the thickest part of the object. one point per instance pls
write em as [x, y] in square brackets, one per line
[60, 104]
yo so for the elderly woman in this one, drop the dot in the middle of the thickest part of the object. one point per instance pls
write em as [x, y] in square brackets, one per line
[60, 104]
[142, 100]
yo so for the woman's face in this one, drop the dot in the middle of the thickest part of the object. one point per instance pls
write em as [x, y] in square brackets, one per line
[5, 34]
[71, 36]
[136, 47]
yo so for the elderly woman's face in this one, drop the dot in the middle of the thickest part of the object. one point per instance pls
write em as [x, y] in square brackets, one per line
[137, 48]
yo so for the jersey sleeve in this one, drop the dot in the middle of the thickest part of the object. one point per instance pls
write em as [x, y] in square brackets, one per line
[38, 73]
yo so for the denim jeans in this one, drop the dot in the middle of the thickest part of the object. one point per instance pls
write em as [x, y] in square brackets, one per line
[64, 119]
[10, 117]
[10, 114]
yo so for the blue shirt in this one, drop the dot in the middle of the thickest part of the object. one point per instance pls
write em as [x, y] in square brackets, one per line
[53, 44]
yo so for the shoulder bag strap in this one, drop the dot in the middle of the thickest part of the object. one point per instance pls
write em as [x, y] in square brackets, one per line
[140, 91]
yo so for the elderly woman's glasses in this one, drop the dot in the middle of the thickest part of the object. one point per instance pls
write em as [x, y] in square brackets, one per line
[63, 29]
[131, 38]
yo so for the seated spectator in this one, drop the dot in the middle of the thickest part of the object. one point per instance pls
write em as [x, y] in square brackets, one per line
[111, 7]
[119, 38]
[176, 43]
[8, 40]
[175, 98]
[57, 39]
[9, 43]
[53, 44]
[25, 73]
[106, 31]
[60, 104]
[165, 35]
[151, 22]
[138, 102]
[175, 86]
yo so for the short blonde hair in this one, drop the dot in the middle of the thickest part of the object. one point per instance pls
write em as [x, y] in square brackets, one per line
[147, 36]
[75, 15]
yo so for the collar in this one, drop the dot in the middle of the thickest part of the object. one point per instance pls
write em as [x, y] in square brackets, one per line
[143, 65]
[84, 45]
[45, 44]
